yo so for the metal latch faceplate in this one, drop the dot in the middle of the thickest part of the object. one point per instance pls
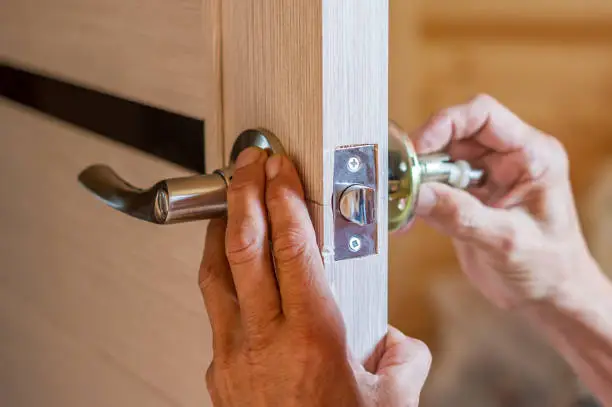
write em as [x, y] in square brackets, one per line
[355, 202]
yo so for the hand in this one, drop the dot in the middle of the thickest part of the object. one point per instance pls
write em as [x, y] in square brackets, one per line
[517, 237]
[278, 335]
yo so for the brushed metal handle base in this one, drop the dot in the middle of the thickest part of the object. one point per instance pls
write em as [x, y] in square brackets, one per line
[175, 200]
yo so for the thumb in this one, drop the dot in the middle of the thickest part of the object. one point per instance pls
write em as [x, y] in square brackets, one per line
[459, 214]
[404, 366]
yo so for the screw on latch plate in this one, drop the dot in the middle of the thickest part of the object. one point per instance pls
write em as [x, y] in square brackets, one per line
[354, 244]
[353, 164]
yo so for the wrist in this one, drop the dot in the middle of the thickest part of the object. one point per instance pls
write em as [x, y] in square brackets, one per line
[583, 293]
[577, 321]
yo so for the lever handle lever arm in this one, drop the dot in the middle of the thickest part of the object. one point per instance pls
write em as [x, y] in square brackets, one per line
[169, 201]
[175, 200]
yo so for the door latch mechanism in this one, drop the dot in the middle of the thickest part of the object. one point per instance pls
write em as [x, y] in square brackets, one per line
[201, 197]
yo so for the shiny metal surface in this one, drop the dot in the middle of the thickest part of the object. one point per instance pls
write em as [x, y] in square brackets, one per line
[408, 171]
[170, 201]
[174, 200]
[355, 200]
[404, 178]
[251, 138]
[440, 168]
[195, 198]
[358, 204]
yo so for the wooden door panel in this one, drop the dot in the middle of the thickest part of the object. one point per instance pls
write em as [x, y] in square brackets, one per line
[310, 73]
[159, 52]
[100, 309]
[96, 308]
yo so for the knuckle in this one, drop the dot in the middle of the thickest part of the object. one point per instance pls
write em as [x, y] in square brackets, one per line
[261, 327]
[242, 186]
[258, 343]
[278, 197]
[558, 152]
[291, 246]
[423, 352]
[509, 245]
[484, 99]
[243, 245]
[208, 275]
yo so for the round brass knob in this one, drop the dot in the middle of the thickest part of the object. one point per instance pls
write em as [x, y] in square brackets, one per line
[408, 171]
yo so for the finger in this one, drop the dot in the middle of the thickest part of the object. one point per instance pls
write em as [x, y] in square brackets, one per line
[469, 150]
[483, 118]
[457, 213]
[217, 288]
[247, 246]
[299, 266]
[406, 362]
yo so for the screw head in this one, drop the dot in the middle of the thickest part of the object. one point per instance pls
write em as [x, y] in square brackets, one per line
[353, 164]
[354, 244]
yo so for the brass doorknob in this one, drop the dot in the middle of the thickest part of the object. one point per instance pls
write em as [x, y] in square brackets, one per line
[408, 170]
[174, 200]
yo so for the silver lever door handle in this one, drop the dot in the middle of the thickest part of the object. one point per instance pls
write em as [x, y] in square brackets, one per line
[169, 201]
[174, 200]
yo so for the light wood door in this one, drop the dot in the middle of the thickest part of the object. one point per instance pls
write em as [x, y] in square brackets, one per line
[99, 309]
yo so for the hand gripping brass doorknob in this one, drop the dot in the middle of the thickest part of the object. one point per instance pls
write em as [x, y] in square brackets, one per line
[175, 200]
[407, 171]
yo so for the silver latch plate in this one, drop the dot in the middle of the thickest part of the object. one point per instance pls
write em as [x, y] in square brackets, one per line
[354, 165]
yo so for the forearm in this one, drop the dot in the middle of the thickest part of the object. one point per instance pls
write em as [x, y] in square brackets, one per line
[578, 323]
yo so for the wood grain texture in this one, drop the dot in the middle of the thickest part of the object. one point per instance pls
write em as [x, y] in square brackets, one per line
[96, 309]
[158, 52]
[309, 72]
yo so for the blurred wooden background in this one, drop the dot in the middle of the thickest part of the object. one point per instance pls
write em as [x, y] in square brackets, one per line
[548, 60]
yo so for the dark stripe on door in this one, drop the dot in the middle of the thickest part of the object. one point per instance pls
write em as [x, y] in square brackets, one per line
[167, 135]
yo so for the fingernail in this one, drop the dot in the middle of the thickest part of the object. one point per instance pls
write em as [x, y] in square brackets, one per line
[248, 156]
[426, 200]
[273, 166]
